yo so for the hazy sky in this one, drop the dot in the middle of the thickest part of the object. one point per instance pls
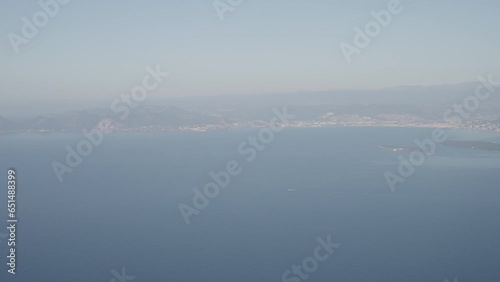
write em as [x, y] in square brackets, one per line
[99, 49]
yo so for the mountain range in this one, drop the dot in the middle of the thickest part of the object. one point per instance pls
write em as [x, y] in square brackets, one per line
[401, 105]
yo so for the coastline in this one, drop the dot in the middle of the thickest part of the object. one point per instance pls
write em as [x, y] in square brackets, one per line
[256, 125]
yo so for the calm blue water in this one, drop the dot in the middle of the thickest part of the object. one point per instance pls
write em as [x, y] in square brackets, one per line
[120, 208]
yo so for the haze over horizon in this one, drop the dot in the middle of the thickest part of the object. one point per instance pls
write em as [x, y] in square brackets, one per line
[388, 95]
[88, 53]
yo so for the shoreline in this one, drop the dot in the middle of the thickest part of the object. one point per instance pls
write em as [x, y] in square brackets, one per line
[214, 128]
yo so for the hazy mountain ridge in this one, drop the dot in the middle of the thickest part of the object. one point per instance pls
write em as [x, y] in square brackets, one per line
[403, 106]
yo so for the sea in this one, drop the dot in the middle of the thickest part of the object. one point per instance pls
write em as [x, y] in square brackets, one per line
[116, 216]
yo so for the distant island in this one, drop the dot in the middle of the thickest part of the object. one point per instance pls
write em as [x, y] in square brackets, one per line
[476, 145]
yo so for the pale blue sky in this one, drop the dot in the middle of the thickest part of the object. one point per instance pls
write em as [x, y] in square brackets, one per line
[99, 49]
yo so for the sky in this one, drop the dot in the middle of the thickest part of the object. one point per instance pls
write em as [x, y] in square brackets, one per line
[96, 50]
